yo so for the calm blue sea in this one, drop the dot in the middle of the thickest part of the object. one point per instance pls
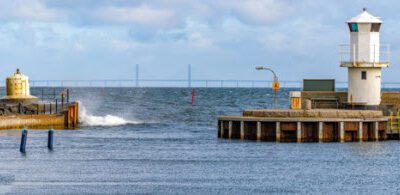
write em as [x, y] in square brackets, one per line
[152, 141]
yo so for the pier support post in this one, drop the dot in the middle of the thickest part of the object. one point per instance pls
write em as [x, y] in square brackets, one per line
[298, 132]
[24, 137]
[321, 131]
[241, 130]
[341, 131]
[278, 131]
[258, 131]
[376, 133]
[360, 131]
[221, 128]
[230, 130]
[50, 139]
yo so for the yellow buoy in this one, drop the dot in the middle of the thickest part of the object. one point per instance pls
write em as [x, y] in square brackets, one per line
[18, 88]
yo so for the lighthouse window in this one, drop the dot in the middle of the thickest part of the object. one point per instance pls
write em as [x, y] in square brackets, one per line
[364, 75]
[353, 27]
[375, 27]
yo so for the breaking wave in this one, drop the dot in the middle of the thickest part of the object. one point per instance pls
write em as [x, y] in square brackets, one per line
[87, 119]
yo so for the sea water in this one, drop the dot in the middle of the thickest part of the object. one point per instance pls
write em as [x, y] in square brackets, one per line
[151, 140]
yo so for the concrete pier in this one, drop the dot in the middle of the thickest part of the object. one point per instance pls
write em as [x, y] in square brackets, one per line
[305, 126]
[66, 119]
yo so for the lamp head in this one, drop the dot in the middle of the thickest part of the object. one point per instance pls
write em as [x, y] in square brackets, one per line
[259, 68]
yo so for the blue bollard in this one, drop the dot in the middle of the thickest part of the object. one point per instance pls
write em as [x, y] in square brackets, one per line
[50, 139]
[24, 137]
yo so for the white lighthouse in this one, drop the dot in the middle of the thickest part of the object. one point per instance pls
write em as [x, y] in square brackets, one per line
[363, 63]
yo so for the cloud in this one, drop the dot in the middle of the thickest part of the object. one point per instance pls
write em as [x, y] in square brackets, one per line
[124, 45]
[175, 31]
[32, 10]
[157, 14]
[143, 14]
[260, 12]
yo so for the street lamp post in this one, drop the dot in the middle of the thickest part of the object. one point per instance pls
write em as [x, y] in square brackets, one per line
[275, 84]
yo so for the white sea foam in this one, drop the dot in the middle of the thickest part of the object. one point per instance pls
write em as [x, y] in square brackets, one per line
[87, 119]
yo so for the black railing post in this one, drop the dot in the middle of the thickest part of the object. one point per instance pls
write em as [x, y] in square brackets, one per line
[68, 95]
[62, 102]
[20, 108]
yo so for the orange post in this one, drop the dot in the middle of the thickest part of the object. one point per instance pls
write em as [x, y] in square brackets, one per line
[193, 95]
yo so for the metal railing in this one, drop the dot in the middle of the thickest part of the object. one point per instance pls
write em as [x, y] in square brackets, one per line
[48, 93]
[394, 121]
[351, 54]
[45, 93]
[51, 101]
[41, 107]
[50, 107]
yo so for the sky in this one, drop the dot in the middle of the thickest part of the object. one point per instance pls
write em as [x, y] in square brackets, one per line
[221, 39]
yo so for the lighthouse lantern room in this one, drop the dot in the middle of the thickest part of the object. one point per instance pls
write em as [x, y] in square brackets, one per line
[364, 60]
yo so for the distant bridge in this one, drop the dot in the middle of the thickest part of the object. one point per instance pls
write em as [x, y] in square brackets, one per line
[179, 83]
[161, 83]
[188, 82]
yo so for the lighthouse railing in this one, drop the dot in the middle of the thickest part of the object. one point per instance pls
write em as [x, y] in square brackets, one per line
[375, 55]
